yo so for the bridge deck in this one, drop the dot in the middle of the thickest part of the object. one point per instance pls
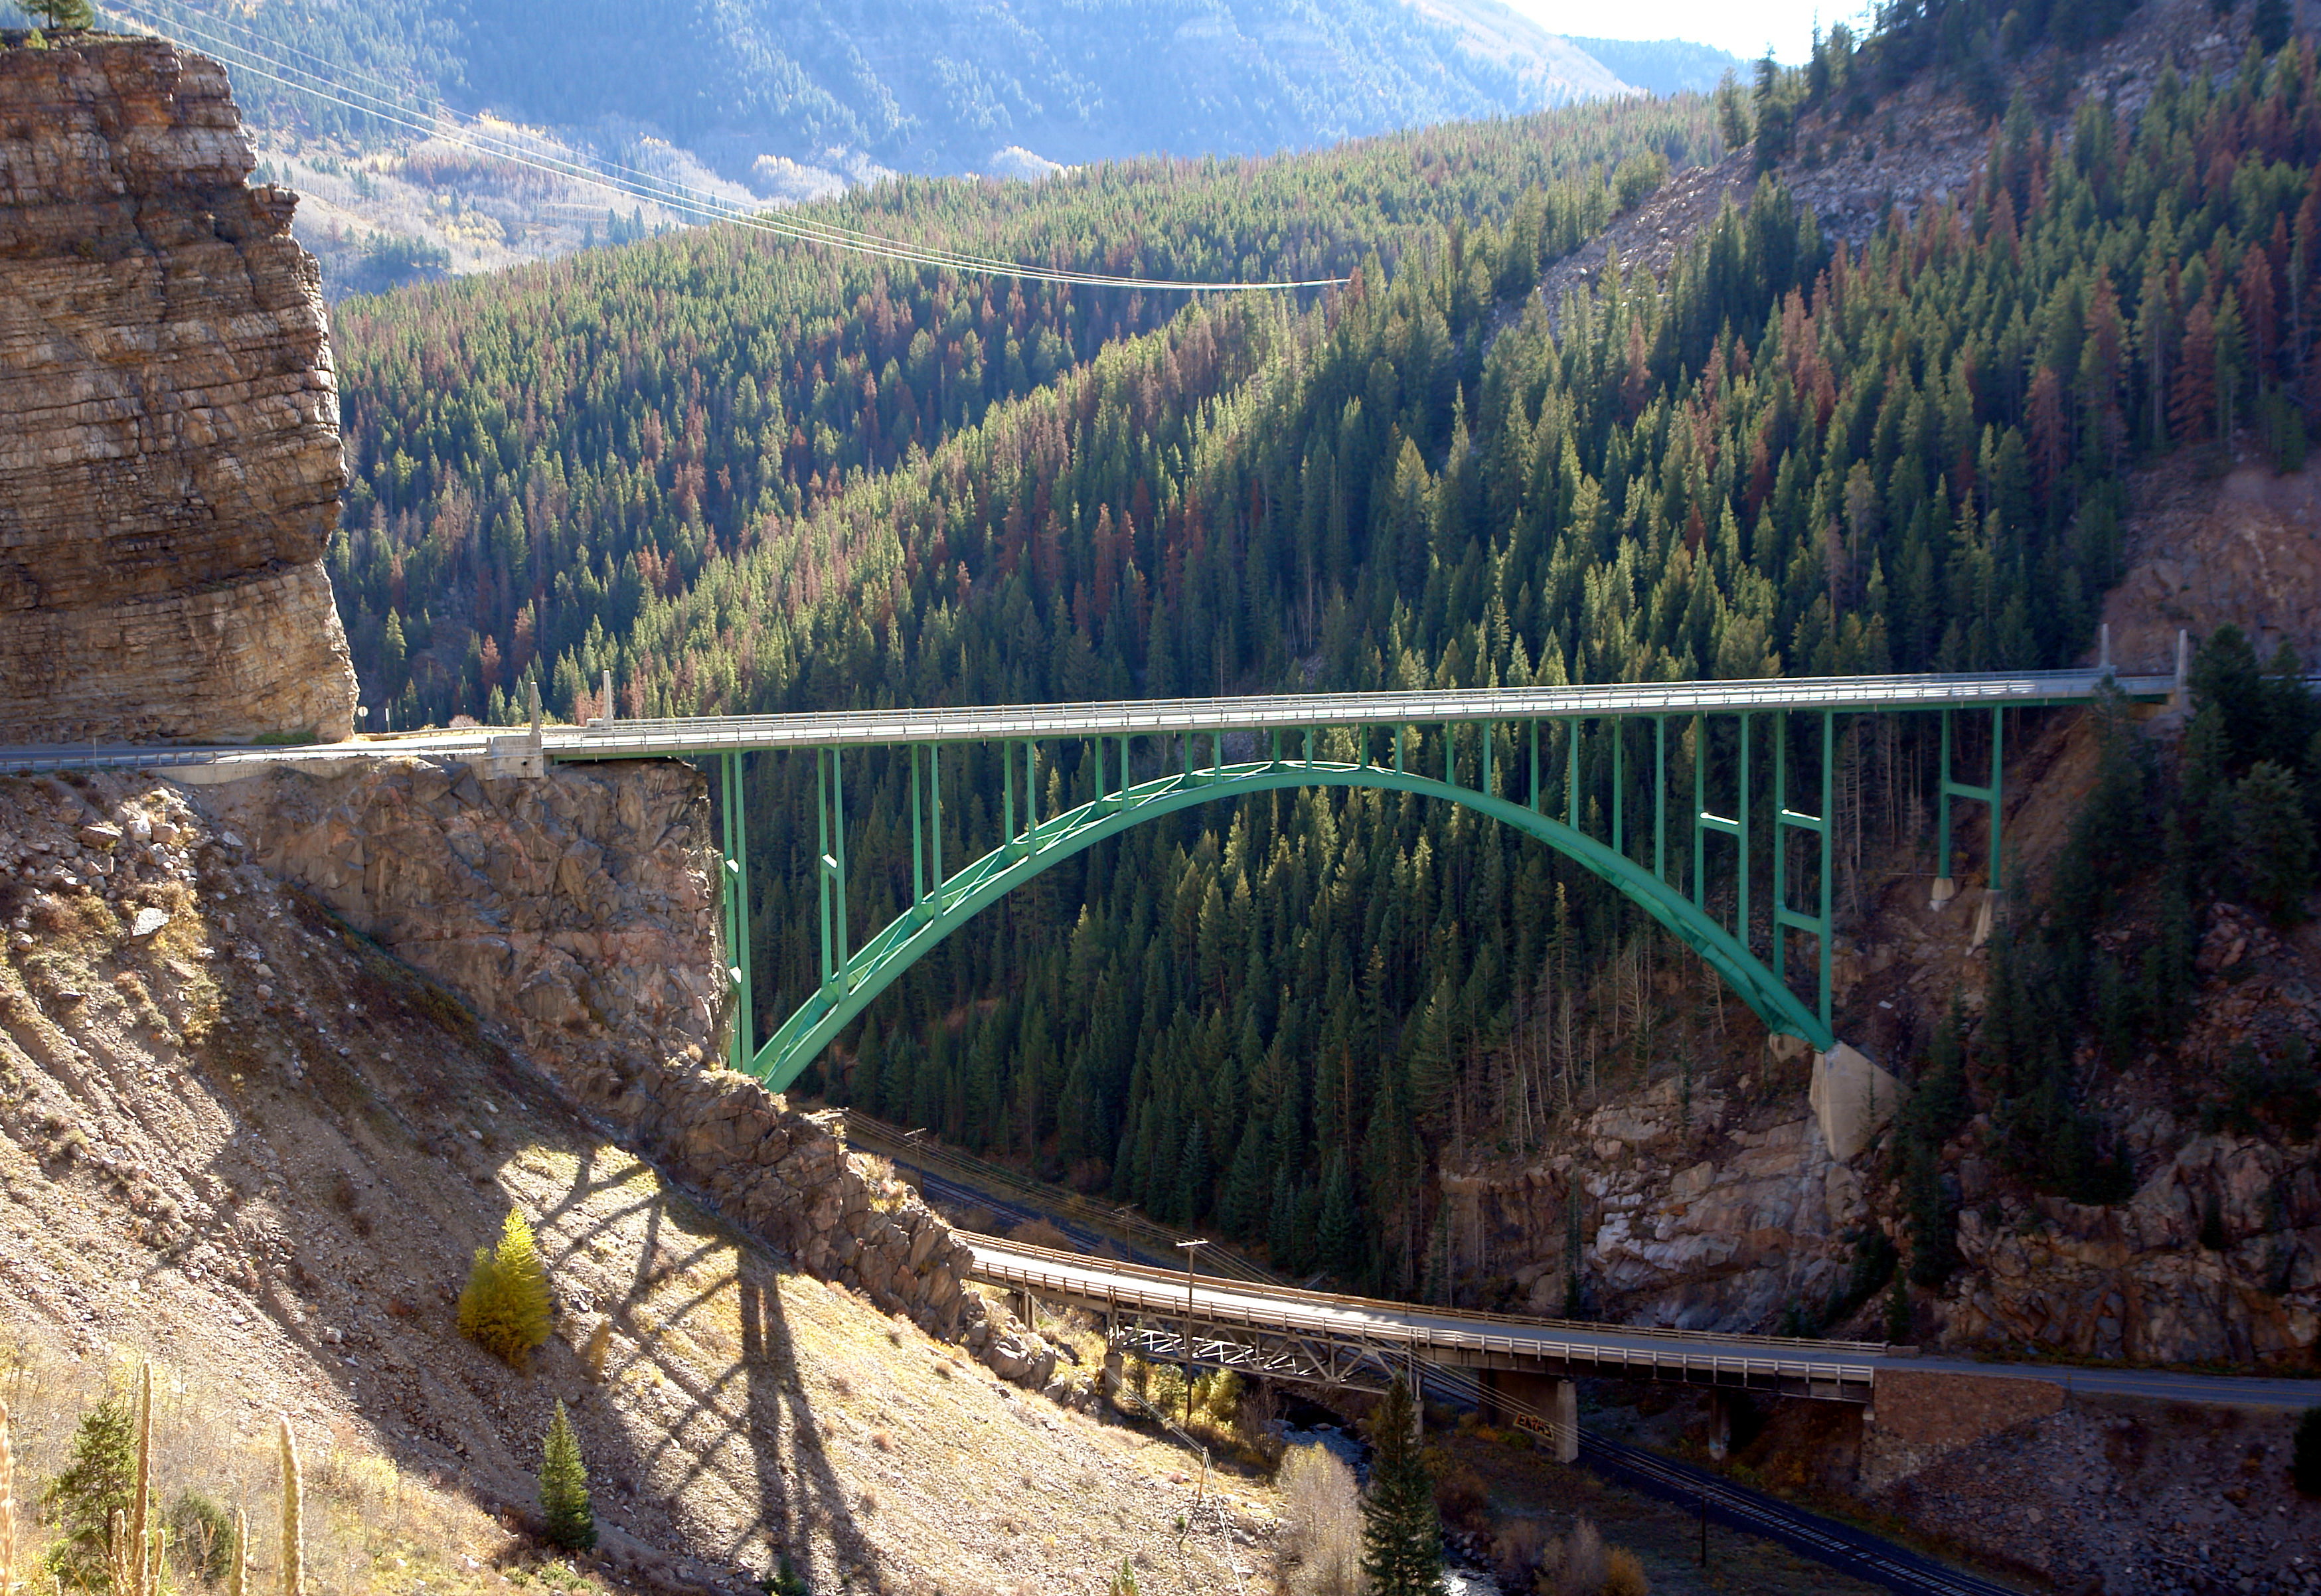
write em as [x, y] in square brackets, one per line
[1313, 1335]
[649, 739]
[1290, 711]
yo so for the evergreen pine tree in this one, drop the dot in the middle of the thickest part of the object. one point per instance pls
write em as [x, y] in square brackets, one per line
[2269, 23]
[1402, 1537]
[564, 1487]
[1244, 1199]
[96, 1483]
[1281, 1223]
[1192, 1176]
[1338, 1235]
[2274, 840]
[504, 1310]
[62, 14]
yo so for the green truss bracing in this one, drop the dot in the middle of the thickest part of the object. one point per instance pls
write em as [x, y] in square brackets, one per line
[941, 905]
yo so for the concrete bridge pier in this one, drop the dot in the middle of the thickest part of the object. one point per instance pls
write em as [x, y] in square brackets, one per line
[1556, 1403]
[1720, 1425]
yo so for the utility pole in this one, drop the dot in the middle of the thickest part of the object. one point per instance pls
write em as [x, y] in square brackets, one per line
[1192, 1251]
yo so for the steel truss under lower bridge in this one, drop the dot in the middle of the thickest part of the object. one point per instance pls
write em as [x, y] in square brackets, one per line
[1318, 1338]
[1497, 753]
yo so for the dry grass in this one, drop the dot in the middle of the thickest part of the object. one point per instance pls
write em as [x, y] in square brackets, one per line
[1582, 1564]
[366, 1525]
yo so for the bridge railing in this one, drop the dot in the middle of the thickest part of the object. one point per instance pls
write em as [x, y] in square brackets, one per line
[1175, 1278]
[1662, 1355]
[1166, 716]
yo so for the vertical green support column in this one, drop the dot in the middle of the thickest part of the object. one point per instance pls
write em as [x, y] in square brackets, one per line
[1699, 811]
[1031, 790]
[825, 862]
[1944, 889]
[934, 822]
[1741, 813]
[1734, 825]
[730, 883]
[1828, 832]
[918, 838]
[1571, 773]
[746, 948]
[1619, 786]
[845, 944]
[1660, 798]
[1786, 918]
[1780, 843]
[1997, 769]
[1535, 767]
[1991, 796]
[1487, 789]
[1008, 798]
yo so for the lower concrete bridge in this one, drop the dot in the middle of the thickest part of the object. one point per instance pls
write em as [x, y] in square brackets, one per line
[1525, 1367]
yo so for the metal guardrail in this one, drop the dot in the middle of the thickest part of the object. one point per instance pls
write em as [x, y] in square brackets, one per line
[659, 738]
[612, 739]
[1665, 1354]
[1176, 1278]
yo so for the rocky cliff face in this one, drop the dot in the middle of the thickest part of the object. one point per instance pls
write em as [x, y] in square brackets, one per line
[170, 471]
[1718, 1213]
[578, 912]
[579, 909]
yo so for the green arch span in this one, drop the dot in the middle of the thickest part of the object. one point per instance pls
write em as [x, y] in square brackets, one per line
[820, 1018]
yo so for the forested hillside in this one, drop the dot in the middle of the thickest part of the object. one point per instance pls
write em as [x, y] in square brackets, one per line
[811, 485]
[537, 452]
[1664, 65]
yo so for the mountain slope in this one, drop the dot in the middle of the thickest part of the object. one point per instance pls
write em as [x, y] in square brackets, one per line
[1663, 66]
[929, 86]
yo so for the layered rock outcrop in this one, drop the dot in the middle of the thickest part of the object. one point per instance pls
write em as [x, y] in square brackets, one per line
[579, 910]
[578, 913]
[170, 469]
[1701, 1215]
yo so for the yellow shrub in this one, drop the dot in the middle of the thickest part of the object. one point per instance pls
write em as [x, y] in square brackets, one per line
[504, 1307]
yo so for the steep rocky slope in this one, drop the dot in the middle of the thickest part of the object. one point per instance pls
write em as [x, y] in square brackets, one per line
[170, 472]
[237, 1135]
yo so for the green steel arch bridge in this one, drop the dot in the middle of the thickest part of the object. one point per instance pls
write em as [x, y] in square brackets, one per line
[1727, 773]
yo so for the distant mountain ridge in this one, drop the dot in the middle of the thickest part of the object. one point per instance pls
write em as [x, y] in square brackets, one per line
[933, 85]
[1662, 66]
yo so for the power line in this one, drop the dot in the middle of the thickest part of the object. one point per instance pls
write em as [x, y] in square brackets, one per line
[680, 198]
